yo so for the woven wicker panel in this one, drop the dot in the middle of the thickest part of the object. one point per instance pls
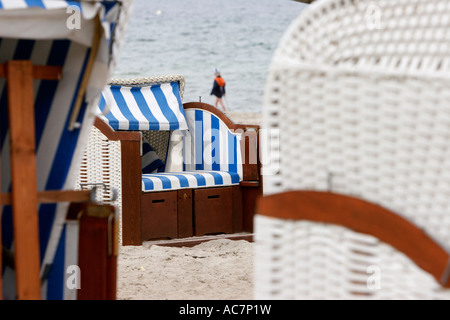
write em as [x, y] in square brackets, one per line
[397, 35]
[101, 165]
[304, 260]
[381, 136]
[159, 140]
[358, 92]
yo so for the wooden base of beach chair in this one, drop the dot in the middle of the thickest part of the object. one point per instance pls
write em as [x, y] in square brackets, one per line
[213, 211]
[251, 191]
[191, 212]
[97, 250]
[159, 215]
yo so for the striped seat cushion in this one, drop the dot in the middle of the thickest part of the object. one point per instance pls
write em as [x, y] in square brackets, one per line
[192, 179]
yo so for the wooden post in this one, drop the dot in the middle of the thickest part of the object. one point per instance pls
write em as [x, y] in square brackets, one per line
[185, 218]
[24, 181]
[131, 193]
[98, 262]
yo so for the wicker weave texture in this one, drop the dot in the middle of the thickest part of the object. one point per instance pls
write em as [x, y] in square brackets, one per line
[101, 167]
[381, 136]
[147, 81]
[359, 91]
[305, 260]
[159, 140]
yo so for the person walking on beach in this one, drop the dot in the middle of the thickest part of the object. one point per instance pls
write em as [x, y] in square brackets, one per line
[218, 90]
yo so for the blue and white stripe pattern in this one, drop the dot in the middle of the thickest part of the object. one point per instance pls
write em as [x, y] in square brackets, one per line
[58, 149]
[57, 13]
[193, 179]
[153, 107]
[211, 153]
[44, 4]
[210, 145]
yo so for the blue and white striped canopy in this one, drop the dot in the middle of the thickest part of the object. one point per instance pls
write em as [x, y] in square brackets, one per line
[152, 107]
[37, 30]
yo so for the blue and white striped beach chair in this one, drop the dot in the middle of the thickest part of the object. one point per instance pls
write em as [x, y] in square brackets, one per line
[82, 38]
[200, 149]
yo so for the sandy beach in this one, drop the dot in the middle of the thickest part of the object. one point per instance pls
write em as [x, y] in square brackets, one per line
[245, 117]
[215, 270]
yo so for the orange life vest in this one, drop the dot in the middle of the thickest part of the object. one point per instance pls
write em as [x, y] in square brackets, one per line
[220, 81]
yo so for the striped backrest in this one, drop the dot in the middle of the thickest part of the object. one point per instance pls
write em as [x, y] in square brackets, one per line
[209, 144]
[143, 107]
[27, 34]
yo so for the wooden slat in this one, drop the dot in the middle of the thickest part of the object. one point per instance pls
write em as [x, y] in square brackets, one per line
[131, 193]
[39, 72]
[23, 177]
[87, 73]
[364, 217]
[213, 211]
[53, 197]
[237, 211]
[47, 72]
[98, 264]
[250, 194]
[64, 196]
[185, 218]
[159, 219]
[116, 135]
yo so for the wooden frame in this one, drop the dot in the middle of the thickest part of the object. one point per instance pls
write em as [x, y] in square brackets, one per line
[19, 76]
[97, 263]
[24, 197]
[365, 217]
[244, 195]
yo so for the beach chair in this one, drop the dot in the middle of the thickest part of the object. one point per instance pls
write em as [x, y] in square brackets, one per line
[356, 202]
[55, 58]
[177, 168]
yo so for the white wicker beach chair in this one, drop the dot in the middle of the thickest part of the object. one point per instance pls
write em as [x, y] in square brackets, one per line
[358, 206]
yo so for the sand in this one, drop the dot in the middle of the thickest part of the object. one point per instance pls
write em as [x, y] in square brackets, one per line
[245, 117]
[215, 270]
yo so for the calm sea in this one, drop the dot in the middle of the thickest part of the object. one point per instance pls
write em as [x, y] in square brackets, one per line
[193, 37]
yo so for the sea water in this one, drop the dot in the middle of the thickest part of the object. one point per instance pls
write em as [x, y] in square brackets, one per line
[194, 37]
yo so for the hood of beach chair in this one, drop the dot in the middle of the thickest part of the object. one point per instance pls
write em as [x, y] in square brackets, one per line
[153, 103]
[83, 38]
